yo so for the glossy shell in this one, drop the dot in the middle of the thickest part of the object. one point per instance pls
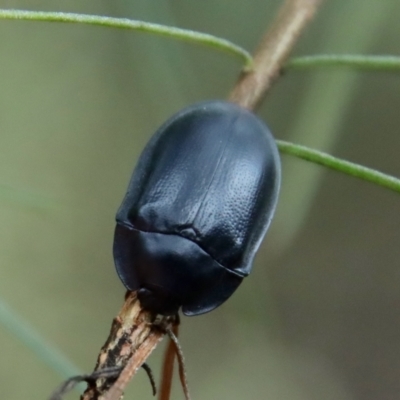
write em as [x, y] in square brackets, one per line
[197, 208]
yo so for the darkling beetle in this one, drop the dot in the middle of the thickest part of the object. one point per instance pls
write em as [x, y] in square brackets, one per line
[197, 208]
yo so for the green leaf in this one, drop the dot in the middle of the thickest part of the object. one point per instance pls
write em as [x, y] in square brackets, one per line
[363, 62]
[125, 23]
[337, 164]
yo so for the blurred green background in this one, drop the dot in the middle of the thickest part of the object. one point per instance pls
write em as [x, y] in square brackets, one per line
[319, 316]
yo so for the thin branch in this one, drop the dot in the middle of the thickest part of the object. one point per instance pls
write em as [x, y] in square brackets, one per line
[181, 362]
[141, 353]
[132, 338]
[347, 167]
[167, 371]
[363, 62]
[273, 52]
[125, 23]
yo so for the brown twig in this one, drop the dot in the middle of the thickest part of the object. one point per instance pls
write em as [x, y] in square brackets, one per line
[133, 336]
[273, 51]
[167, 370]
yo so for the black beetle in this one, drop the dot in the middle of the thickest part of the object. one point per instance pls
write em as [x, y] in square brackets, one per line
[197, 208]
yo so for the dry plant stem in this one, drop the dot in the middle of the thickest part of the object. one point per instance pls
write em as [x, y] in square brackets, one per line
[132, 338]
[168, 369]
[273, 51]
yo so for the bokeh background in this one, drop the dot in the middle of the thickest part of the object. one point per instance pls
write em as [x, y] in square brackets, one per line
[319, 316]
